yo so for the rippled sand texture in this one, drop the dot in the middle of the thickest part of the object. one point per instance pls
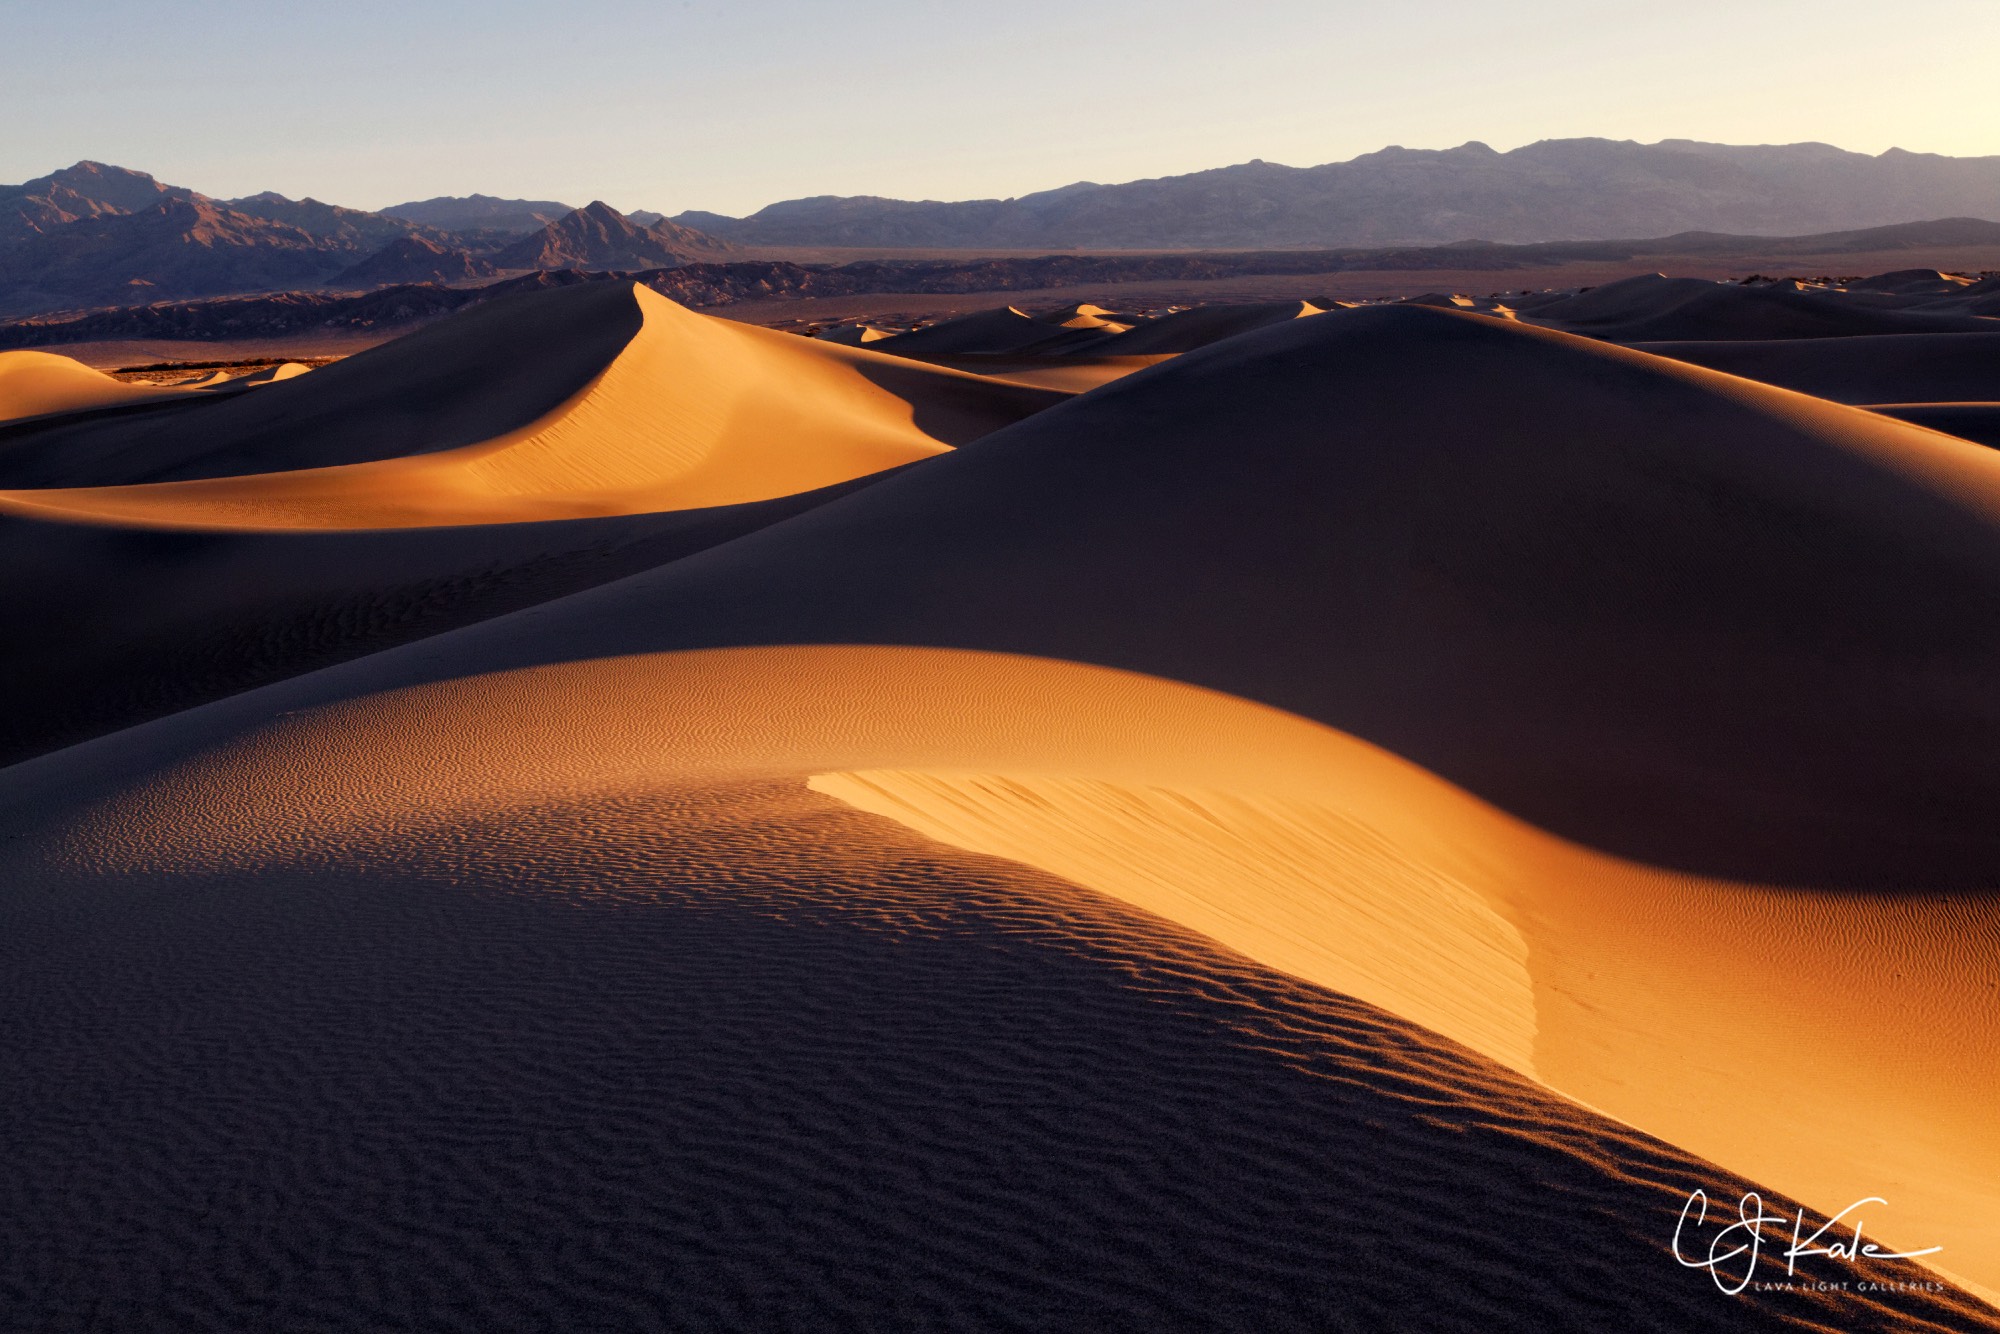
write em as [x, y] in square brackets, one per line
[1342, 829]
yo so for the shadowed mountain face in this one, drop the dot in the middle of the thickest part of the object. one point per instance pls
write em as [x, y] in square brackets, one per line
[599, 236]
[1560, 189]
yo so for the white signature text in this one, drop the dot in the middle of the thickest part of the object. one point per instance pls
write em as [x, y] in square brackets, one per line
[1742, 1242]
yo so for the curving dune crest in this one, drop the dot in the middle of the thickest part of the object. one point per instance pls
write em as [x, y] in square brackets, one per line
[692, 412]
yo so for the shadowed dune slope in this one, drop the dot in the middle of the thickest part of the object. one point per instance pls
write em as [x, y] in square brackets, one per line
[1653, 307]
[690, 412]
[34, 384]
[1905, 368]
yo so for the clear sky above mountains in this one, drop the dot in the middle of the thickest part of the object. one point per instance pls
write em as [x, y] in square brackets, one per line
[729, 106]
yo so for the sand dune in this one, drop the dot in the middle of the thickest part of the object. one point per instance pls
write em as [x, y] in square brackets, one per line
[1872, 548]
[1655, 308]
[289, 370]
[110, 626]
[1317, 409]
[1071, 373]
[854, 335]
[1442, 300]
[791, 1048]
[985, 332]
[1617, 733]
[691, 412]
[1084, 315]
[34, 384]
[1185, 330]
[494, 370]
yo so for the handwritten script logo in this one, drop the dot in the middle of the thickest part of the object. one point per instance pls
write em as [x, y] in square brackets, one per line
[1743, 1240]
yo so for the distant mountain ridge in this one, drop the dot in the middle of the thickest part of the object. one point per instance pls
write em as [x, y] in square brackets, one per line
[95, 235]
[458, 213]
[1554, 190]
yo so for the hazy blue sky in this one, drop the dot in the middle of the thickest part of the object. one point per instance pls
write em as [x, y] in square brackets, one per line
[694, 104]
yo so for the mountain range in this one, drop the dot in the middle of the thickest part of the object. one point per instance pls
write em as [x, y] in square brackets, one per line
[1555, 190]
[95, 235]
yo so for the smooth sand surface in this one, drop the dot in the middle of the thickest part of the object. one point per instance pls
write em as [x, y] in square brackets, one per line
[1517, 779]
[690, 413]
[34, 384]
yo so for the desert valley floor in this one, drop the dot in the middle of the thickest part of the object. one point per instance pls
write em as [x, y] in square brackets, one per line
[591, 816]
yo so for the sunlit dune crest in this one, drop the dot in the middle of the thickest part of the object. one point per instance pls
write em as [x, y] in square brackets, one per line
[692, 412]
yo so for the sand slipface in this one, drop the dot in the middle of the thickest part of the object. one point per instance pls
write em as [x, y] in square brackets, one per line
[1585, 722]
